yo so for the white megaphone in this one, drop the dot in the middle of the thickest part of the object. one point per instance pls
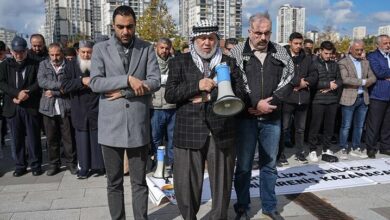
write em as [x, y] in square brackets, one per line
[160, 170]
[227, 103]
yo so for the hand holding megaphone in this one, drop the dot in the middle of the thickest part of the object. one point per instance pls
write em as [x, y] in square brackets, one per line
[207, 84]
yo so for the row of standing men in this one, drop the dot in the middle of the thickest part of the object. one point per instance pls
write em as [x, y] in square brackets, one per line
[125, 71]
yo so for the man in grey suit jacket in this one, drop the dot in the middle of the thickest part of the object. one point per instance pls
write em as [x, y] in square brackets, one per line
[357, 77]
[125, 71]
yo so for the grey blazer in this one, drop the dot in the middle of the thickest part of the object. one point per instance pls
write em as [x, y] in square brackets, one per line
[124, 122]
[351, 82]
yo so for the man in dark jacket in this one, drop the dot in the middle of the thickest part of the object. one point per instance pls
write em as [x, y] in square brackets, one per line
[267, 71]
[84, 111]
[55, 108]
[325, 102]
[378, 117]
[296, 104]
[18, 81]
[38, 49]
[199, 133]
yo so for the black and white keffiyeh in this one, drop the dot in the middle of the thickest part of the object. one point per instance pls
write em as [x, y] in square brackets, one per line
[281, 54]
[205, 27]
[215, 59]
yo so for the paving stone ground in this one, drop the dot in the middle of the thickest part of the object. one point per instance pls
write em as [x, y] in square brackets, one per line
[64, 197]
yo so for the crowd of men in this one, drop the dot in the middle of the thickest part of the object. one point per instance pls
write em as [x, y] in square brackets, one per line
[110, 105]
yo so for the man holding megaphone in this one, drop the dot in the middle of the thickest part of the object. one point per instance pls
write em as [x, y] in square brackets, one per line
[203, 132]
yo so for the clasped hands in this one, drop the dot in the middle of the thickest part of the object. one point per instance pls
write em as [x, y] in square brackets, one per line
[22, 96]
[303, 84]
[138, 86]
[263, 107]
[332, 86]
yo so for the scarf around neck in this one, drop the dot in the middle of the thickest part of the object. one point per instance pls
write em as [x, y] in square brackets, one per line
[215, 59]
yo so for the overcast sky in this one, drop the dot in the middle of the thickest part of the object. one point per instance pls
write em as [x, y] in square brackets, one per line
[26, 16]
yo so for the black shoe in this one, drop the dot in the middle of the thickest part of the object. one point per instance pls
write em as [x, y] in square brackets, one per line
[371, 154]
[99, 172]
[300, 157]
[329, 158]
[19, 173]
[73, 169]
[282, 159]
[386, 152]
[241, 215]
[37, 172]
[273, 215]
[53, 171]
[82, 174]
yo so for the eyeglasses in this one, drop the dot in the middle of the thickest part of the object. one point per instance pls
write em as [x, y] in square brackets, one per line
[259, 34]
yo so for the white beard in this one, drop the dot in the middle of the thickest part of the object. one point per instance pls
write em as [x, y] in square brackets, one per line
[204, 55]
[84, 64]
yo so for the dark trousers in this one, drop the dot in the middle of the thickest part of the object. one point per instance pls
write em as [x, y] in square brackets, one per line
[298, 114]
[89, 152]
[322, 114]
[24, 125]
[188, 172]
[113, 160]
[378, 125]
[59, 130]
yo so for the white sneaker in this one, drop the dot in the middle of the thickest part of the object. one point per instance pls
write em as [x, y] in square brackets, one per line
[358, 153]
[313, 156]
[328, 152]
[344, 154]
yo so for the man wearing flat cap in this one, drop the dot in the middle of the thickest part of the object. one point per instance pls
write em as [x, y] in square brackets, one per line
[55, 108]
[84, 111]
[200, 135]
[18, 81]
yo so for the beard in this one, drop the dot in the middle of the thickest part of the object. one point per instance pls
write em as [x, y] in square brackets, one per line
[205, 55]
[84, 64]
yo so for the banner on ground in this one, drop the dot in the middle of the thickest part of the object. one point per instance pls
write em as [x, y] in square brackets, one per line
[299, 179]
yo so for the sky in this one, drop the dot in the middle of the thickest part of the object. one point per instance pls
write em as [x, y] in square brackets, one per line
[26, 16]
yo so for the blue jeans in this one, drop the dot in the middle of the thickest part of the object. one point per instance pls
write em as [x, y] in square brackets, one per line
[357, 113]
[266, 134]
[163, 123]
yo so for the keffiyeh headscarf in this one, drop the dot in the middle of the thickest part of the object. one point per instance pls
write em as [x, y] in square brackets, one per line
[205, 27]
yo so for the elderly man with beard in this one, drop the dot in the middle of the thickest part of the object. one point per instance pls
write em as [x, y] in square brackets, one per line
[267, 71]
[55, 108]
[200, 135]
[18, 81]
[84, 112]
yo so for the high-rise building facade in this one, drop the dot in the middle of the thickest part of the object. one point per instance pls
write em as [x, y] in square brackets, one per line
[384, 30]
[6, 35]
[359, 33]
[70, 19]
[227, 14]
[290, 19]
[108, 7]
[313, 35]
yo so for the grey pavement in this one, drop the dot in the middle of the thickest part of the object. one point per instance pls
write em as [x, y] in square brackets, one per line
[64, 197]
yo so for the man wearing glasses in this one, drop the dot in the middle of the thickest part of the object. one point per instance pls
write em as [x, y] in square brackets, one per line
[267, 71]
[357, 77]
